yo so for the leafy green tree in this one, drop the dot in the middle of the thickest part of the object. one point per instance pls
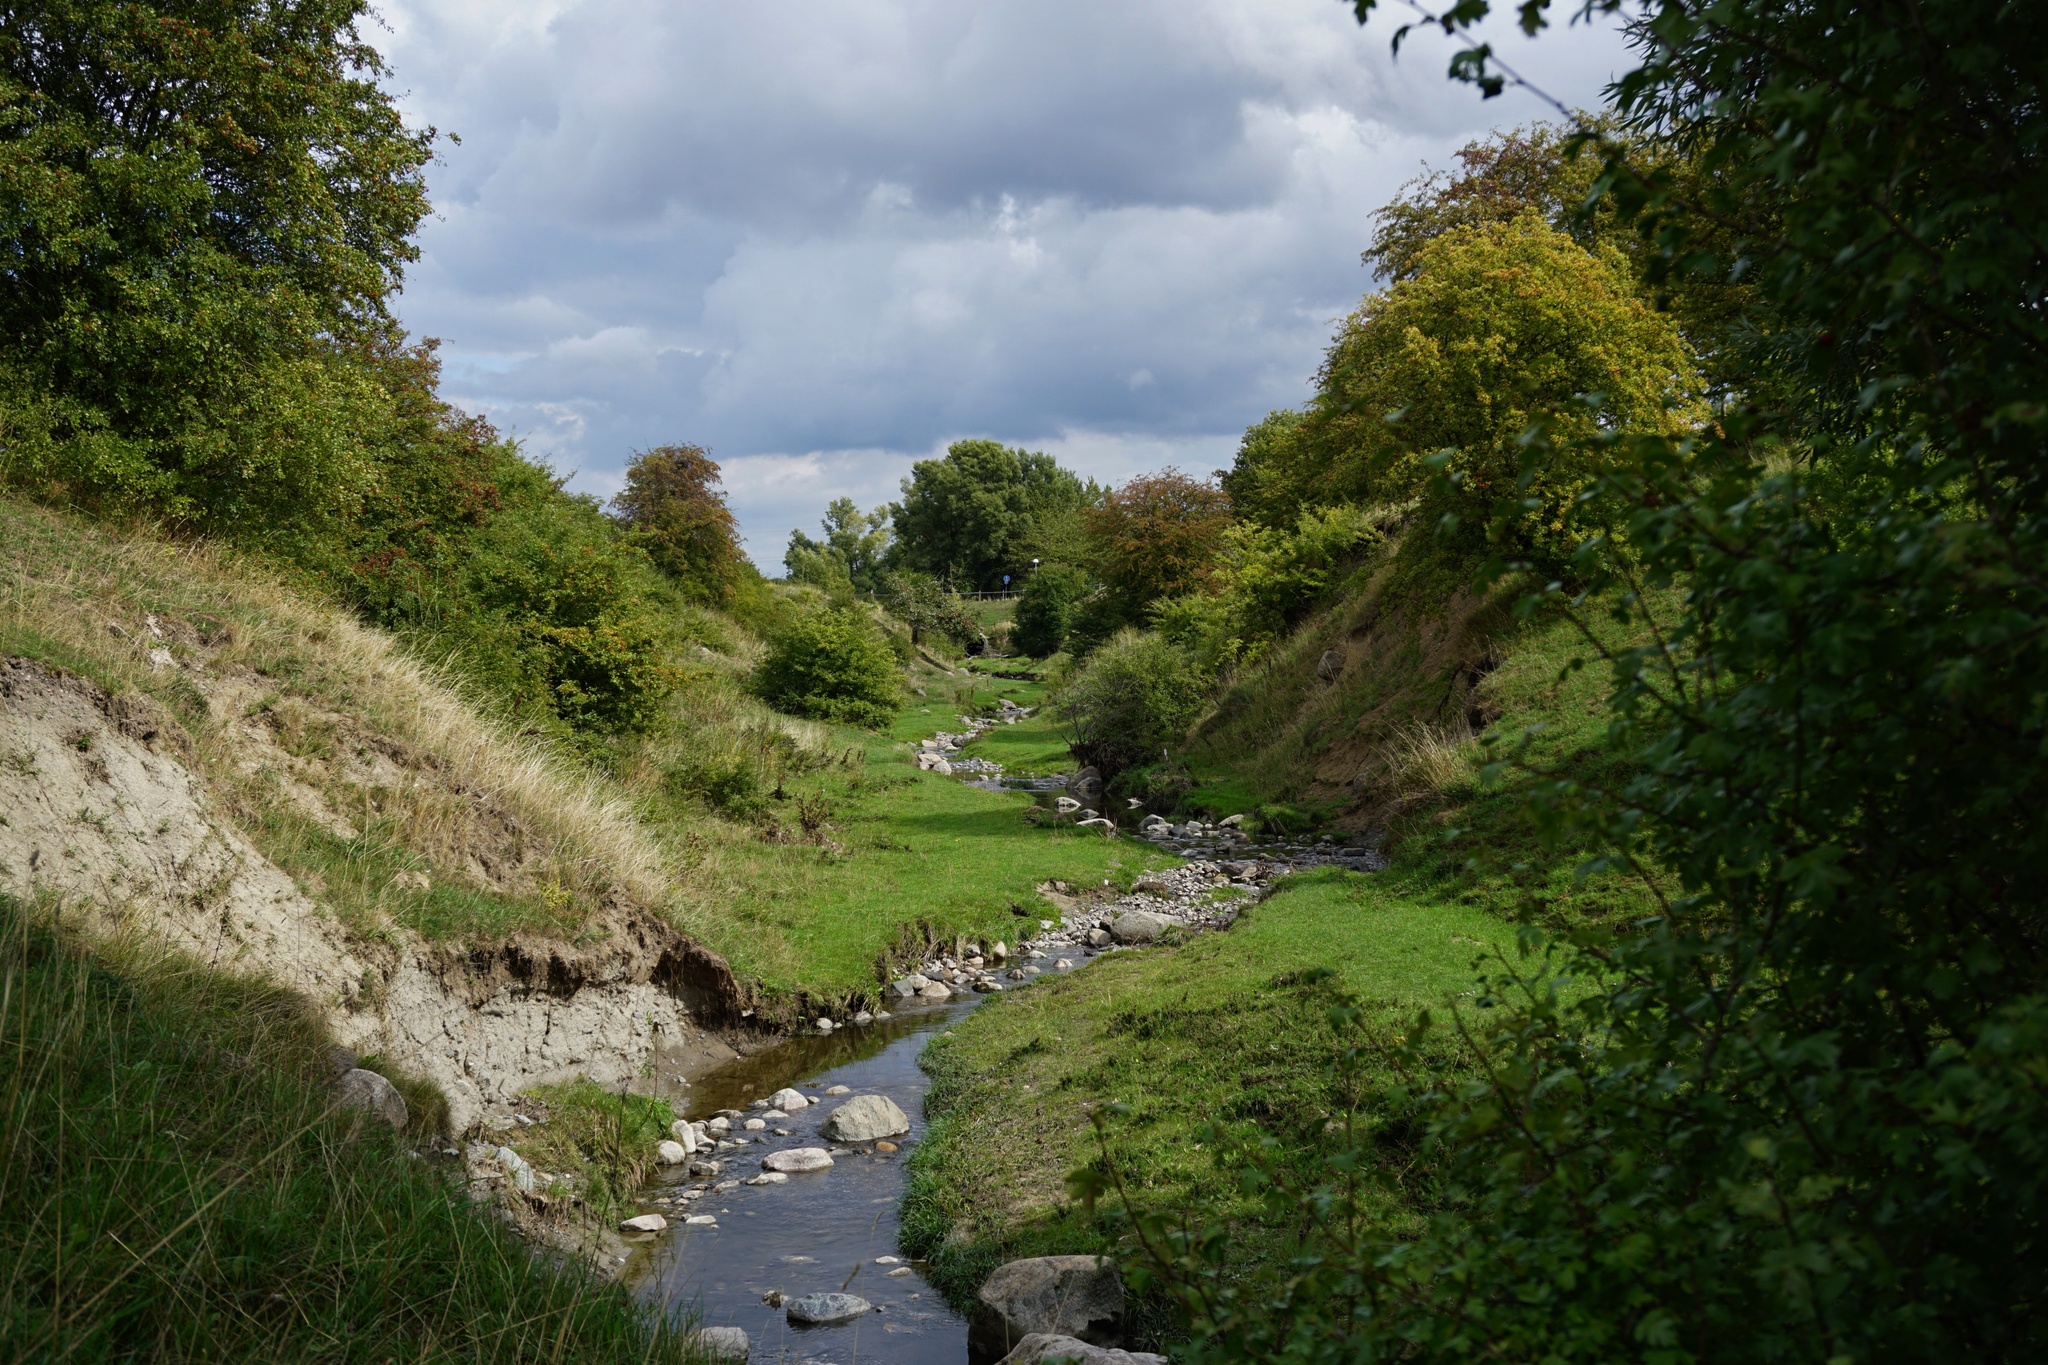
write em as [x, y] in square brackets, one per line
[1501, 323]
[832, 664]
[673, 508]
[967, 518]
[850, 557]
[204, 208]
[1045, 608]
[1798, 1115]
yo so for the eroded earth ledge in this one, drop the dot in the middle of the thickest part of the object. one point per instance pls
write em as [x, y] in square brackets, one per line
[101, 811]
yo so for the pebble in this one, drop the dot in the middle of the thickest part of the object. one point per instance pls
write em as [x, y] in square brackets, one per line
[756, 1125]
[770, 1178]
[838, 1090]
[888, 1260]
[900, 1271]
[885, 1147]
[701, 1220]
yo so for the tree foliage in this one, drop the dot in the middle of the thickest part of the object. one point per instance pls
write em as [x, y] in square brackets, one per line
[1045, 608]
[1800, 1114]
[1501, 323]
[852, 554]
[1155, 535]
[673, 508]
[967, 518]
[204, 208]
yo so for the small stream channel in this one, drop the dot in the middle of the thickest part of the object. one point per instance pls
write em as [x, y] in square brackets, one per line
[813, 1233]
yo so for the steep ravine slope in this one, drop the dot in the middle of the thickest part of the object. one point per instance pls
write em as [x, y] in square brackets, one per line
[191, 750]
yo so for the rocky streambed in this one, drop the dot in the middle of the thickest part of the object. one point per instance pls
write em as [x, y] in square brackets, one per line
[776, 1222]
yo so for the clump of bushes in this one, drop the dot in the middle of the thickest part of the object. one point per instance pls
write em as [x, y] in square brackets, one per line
[1045, 609]
[1133, 698]
[832, 665]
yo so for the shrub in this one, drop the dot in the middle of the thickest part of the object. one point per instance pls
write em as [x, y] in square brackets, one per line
[832, 664]
[1045, 609]
[1135, 696]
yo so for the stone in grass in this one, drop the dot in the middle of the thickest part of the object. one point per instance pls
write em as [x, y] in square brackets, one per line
[822, 1310]
[360, 1089]
[646, 1222]
[1070, 1296]
[516, 1167]
[797, 1159]
[721, 1343]
[788, 1100]
[1045, 1348]
[684, 1134]
[865, 1118]
[671, 1154]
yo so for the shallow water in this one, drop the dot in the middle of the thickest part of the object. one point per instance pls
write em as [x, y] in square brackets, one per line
[813, 1233]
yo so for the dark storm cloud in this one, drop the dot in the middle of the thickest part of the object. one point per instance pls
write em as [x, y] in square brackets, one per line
[826, 238]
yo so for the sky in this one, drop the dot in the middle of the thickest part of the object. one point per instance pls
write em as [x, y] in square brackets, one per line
[823, 240]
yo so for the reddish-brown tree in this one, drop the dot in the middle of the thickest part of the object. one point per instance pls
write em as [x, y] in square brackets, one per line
[1156, 535]
[673, 508]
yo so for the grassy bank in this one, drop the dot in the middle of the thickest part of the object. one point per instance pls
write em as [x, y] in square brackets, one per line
[178, 1186]
[1233, 1028]
[1223, 1030]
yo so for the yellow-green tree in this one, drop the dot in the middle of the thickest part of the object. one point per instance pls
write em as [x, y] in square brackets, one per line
[1499, 326]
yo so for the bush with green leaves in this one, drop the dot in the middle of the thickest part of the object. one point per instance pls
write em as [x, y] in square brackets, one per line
[832, 664]
[1266, 580]
[1133, 698]
[933, 611]
[1799, 1115]
[1045, 609]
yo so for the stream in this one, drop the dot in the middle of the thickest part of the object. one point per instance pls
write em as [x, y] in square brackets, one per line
[822, 1230]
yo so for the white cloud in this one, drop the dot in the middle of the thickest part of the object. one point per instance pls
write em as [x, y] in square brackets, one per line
[825, 238]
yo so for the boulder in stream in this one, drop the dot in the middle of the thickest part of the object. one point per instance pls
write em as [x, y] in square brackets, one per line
[822, 1310]
[797, 1159]
[865, 1118]
[721, 1343]
[1139, 926]
[788, 1100]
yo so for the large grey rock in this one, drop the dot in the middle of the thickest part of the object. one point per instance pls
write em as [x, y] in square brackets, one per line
[788, 1100]
[864, 1118]
[683, 1133]
[1046, 1348]
[1139, 926]
[797, 1159]
[671, 1153]
[1330, 665]
[822, 1310]
[646, 1222]
[360, 1089]
[721, 1343]
[1067, 1296]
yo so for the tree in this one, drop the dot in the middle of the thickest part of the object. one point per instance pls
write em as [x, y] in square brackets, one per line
[1797, 1114]
[204, 208]
[1045, 608]
[1156, 535]
[1501, 324]
[966, 518]
[1136, 695]
[673, 508]
[851, 555]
